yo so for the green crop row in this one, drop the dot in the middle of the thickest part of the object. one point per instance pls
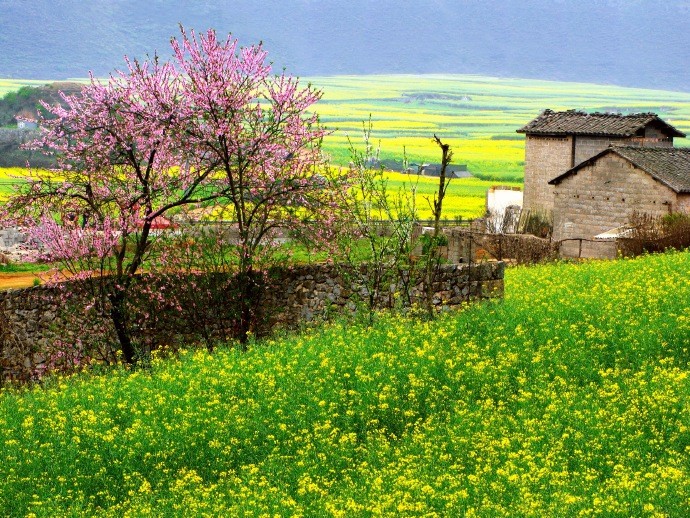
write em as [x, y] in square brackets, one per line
[474, 114]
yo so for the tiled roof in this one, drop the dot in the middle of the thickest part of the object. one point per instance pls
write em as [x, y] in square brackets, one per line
[670, 166]
[574, 122]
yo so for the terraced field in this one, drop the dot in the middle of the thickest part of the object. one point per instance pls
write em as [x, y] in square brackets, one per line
[477, 115]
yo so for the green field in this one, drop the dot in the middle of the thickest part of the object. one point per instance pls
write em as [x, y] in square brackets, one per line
[569, 398]
[477, 115]
[11, 85]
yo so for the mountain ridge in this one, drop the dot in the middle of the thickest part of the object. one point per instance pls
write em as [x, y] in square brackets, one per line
[633, 43]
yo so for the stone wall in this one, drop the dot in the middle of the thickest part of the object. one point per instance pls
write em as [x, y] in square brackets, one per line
[10, 237]
[545, 158]
[33, 317]
[307, 293]
[30, 321]
[588, 249]
[465, 245]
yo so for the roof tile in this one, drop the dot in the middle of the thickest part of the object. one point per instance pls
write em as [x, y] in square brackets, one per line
[574, 122]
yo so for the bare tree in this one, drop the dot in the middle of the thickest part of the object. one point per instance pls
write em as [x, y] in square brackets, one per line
[431, 244]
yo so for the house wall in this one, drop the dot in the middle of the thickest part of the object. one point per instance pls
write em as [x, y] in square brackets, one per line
[548, 157]
[683, 203]
[656, 137]
[603, 196]
[586, 147]
[545, 159]
[498, 199]
[10, 237]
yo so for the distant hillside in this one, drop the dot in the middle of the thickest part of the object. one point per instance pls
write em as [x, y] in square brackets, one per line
[623, 42]
[11, 154]
[27, 100]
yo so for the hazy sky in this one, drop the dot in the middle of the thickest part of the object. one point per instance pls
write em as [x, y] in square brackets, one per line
[626, 42]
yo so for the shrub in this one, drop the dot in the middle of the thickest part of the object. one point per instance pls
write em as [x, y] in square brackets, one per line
[536, 222]
[650, 233]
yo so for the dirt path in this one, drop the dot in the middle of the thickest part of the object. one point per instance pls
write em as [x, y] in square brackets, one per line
[17, 280]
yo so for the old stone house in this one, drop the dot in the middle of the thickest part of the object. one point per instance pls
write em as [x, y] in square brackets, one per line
[590, 172]
[558, 141]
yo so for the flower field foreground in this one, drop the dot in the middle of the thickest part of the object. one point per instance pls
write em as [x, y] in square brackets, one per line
[569, 398]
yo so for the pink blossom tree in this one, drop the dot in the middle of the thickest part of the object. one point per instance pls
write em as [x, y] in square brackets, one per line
[211, 126]
[253, 131]
[119, 145]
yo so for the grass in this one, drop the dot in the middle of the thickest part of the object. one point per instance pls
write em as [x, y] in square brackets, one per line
[24, 267]
[569, 398]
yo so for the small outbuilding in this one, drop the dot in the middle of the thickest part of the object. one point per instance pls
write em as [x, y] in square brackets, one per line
[26, 120]
[602, 192]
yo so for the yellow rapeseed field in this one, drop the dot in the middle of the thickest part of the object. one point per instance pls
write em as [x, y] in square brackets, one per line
[569, 398]
[477, 115]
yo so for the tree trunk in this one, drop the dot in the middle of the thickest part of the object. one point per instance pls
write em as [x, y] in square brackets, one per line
[248, 294]
[434, 257]
[118, 317]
